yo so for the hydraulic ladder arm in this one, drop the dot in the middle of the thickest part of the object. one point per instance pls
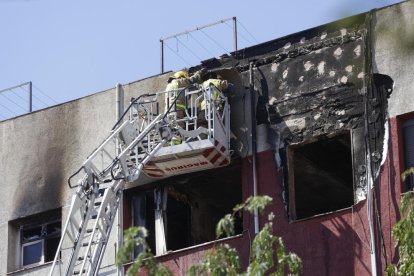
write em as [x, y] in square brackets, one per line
[94, 205]
[121, 159]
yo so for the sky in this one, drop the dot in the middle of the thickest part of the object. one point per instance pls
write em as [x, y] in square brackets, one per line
[70, 49]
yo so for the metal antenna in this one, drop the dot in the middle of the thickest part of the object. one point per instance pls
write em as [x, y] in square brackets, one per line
[198, 29]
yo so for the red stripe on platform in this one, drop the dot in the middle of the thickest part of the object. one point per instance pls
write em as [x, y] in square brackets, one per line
[208, 152]
[217, 156]
[225, 162]
[222, 149]
[154, 175]
[216, 143]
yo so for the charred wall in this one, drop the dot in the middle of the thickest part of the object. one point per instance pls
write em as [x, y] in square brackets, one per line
[319, 83]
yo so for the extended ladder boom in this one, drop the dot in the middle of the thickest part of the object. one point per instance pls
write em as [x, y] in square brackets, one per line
[96, 200]
[121, 158]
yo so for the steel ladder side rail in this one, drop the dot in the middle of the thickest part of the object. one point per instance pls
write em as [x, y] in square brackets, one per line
[76, 202]
[100, 249]
[81, 235]
[140, 137]
[117, 193]
[94, 237]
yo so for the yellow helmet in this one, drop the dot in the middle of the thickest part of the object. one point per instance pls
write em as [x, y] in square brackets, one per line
[181, 74]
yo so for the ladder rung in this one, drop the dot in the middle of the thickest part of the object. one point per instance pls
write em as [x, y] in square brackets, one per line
[98, 203]
[94, 216]
[86, 243]
[76, 272]
[109, 180]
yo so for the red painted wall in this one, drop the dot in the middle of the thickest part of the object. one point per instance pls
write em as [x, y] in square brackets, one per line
[332, 244]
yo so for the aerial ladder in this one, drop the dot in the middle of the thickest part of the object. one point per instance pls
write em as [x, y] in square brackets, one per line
[139, 144]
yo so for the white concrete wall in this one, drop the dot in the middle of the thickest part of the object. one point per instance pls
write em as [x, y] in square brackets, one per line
[393, 53]
[39, 151]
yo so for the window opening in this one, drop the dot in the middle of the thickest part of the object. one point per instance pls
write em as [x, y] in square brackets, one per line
[195, 203]
[320, 176]
[39, 243]
[34, 239]
[408, 134]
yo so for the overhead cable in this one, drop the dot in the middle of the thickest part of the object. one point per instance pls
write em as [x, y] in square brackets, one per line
[238, 21]
[183, 59]
[26, 100]
[40, 100]
[240, 34]
[11, 111]
[201, 45]
[38, 89]
[188, 49]
[215, 41]
[20, 97]
[10, 100]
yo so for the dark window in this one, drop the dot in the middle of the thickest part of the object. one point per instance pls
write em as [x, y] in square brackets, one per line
[39, 242]
[408, 134]
[320, 176]
[195, 203]
[37, 237]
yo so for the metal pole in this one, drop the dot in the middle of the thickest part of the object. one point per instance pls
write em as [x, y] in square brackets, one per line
[235, 32]
[162, 56]
[119, 110]
[254, 144]
[30, 97]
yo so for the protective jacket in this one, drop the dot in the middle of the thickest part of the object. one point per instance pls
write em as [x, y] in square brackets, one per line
[174, 87]
[222, 85]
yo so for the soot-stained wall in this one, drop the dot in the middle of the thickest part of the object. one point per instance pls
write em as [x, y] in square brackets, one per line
[319, 83]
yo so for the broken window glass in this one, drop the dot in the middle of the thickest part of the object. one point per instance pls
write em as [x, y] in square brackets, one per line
[37, 236]
[320, 176]
[39, 242]
[408, 134]
[194, 204]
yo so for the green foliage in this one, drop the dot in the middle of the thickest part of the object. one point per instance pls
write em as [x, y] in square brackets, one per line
[403, 233]
[221, 260]
[225, 226]
[136, 237]
[254, 202]
[263, 258]
[407, 173]
[268, 252]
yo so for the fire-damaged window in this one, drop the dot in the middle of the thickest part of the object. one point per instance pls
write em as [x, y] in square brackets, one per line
[408, 136]
[37, 238]
[320, 176]
[183, 211]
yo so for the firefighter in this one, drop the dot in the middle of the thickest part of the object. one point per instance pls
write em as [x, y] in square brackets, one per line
[217, 81]
[179, 81]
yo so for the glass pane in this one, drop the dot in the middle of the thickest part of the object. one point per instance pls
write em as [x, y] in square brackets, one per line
[31, 234]
[32, 253]
[409, 150]
[53, 228]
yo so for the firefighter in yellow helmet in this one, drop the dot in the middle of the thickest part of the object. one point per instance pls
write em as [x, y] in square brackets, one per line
[180, 80]
[174, 100]
[217, 82]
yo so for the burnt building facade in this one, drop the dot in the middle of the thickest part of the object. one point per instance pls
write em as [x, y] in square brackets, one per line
[326, 114]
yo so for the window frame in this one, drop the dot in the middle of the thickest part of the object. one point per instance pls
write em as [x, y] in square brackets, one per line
[50, 229]
[42, 257]
[43, 237]
[291, 149]
[402, 120]
[128, 212]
